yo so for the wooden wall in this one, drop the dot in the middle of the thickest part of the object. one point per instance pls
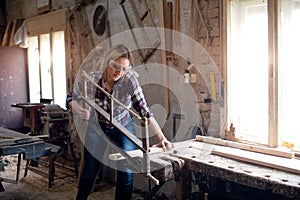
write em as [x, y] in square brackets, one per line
[202, 24]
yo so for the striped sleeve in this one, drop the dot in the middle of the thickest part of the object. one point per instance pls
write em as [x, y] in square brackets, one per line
[78, 87]
[139, 102]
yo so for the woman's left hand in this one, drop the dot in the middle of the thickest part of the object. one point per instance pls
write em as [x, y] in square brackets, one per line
[165, 144]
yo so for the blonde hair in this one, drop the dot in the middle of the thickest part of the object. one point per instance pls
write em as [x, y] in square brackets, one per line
[116, 52]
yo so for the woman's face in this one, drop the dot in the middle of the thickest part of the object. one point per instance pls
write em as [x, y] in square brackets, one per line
[118, 68]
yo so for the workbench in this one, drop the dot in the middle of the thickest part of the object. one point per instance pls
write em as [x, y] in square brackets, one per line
[12, 142]
[196, 156]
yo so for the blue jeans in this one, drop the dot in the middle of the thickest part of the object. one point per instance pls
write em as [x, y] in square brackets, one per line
[124, 185]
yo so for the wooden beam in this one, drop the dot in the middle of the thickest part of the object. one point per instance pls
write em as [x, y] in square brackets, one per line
[164, 58]
[248, 147]
[152, 151]
[134, 154]
[12, 33]
[50, 22]
[284, 164]
[6, 34]
[176, 15]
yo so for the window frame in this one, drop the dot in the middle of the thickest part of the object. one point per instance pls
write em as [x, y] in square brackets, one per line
[48, 24]
[273, 10]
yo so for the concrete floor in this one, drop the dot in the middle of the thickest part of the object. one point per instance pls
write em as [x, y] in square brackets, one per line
[34, 186]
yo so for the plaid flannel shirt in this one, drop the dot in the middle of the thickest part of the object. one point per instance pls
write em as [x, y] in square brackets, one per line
[127, 90]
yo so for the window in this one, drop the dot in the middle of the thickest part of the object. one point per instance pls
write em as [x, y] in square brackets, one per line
[289, 71]
[248, 69]
[252, 84]
[47, 57]
[47, 68]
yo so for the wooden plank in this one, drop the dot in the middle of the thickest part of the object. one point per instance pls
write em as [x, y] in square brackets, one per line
[12, 33]
[163, 165]
[279, 182]
[164, 58]
[284, 164]
[82, 39]
[136, 14]
[6, 34]
[46, 23]
[152, 150]
[134, 154]
[86, 31]
[176, 15]
[248, 147]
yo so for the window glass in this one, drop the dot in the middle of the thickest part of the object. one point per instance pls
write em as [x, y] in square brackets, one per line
[47, 68]
[248, 69]
[46, 83]
[34, 70]
[59, 68]
[289, 70]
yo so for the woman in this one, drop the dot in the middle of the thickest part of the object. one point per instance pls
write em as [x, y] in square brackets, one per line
[117, 78]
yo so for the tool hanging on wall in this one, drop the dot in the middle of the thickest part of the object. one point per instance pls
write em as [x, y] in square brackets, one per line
[213, 87]
[80, 40]
[80, 31]
[99, 20]
[140, 20]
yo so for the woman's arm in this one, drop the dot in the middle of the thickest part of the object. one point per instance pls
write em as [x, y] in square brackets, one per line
[164, 142]
[139, 103]
[74, 97]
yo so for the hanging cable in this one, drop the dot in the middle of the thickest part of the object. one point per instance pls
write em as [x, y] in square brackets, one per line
[202, 21]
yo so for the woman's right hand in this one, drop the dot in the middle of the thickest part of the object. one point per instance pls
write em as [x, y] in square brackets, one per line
[84, 113]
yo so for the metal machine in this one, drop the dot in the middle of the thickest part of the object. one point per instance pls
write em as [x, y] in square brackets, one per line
[51, 123]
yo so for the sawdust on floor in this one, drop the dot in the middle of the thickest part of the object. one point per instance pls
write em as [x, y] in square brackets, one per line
[35, 186]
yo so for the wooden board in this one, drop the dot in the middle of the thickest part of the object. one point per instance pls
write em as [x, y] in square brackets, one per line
[153, 150]
[248, 147]
[50, 22]
[163, 164]
[134, 154]
[5, 39]
[7, 133]
[279, 163]
[12, 33]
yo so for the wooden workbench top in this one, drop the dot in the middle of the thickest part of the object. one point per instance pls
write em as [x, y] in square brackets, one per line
[198, 157]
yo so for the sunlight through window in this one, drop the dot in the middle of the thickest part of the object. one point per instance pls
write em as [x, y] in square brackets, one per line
[47, 68]
[289, 70]
[248, 70]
